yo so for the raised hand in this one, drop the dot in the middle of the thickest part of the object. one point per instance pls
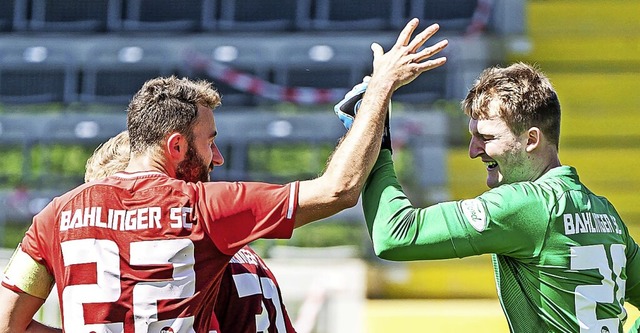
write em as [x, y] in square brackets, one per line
[340, 185]
[405, 61]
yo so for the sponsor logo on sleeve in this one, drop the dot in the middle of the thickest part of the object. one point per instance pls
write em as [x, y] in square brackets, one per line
[475, 213]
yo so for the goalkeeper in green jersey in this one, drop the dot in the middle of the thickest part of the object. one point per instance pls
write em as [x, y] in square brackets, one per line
[563, 258]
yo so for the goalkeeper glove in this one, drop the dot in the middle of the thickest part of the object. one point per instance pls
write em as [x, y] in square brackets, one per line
[347, 109]
[386, 133]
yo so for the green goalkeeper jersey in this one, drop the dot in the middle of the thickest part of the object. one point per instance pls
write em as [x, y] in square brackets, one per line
[563, 258]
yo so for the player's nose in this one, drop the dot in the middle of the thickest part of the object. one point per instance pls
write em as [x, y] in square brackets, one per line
[475, 147]
[218, 159]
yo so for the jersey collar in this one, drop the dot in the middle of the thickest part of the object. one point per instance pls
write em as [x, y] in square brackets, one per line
[139, 174]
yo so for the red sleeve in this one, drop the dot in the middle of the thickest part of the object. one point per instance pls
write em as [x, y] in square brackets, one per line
[239, 213]
[12, 287]
[40, 236]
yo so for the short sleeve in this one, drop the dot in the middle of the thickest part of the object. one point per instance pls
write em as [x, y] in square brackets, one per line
[239, 213]
[40, 237]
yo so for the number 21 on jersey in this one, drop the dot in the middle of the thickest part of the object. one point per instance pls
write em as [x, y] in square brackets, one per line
[610, 290]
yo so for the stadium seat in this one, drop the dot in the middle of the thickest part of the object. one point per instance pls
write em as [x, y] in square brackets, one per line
[73, 15]
[162, 15]
[77, 134]
[18, 15]
[210, 15]
[260, 15]
[113, 73]
[245, 58]
[452, 15]
[321, 65]
[18, 135]
[35, 74]
[7, 14]
[82, 128]
[426, 89]
[243, 134]
[358, 14]
[15, 130]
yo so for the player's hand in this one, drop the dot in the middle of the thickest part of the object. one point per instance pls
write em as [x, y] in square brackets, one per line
[347, 108]
[405, 60]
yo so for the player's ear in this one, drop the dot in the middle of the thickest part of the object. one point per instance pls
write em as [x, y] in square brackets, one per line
[534, 139]
[176, 146]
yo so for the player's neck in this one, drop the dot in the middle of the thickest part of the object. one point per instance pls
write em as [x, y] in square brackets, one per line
[149, 163]
[549, 161]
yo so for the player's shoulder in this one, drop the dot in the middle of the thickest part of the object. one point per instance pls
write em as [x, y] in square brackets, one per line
[516, 192]
[548, 188]
[521, 199]
[69, 195]
[125, 185]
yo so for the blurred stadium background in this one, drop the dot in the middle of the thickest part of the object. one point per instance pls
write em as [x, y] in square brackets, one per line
[68, 68]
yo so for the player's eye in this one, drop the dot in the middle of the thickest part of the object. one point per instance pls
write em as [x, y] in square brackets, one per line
[483, 137]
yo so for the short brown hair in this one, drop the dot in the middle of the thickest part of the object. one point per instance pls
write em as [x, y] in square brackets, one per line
[525, 95]
[165, 105]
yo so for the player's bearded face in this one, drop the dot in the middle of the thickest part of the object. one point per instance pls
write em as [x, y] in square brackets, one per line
[193, 168]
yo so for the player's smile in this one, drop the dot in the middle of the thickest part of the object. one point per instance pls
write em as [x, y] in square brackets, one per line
[491, 165]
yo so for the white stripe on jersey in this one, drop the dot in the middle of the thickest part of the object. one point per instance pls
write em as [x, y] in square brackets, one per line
[292, 193]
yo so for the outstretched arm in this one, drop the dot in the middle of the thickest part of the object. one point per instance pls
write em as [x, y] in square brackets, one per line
[340, 185]
[399, 230]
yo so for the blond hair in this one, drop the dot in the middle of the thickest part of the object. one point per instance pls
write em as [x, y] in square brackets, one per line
[525, 95]
[109, 158]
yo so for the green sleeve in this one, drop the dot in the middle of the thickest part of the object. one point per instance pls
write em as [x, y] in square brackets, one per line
[398, 230]
[518, 219]
[446, 230]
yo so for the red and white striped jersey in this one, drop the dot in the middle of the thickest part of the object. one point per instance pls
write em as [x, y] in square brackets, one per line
[146, 252]
[250, 300]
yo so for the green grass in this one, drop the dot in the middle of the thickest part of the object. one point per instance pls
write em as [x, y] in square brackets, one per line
[289, 161]
[48, 166]
[52, 164]
[11, 166]
[13, 233]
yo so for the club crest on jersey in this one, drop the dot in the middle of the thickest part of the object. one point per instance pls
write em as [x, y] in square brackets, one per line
[474, 211]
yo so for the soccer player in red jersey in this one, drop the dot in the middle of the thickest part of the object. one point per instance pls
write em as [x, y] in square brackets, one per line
[144, 250]
[249, 299]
